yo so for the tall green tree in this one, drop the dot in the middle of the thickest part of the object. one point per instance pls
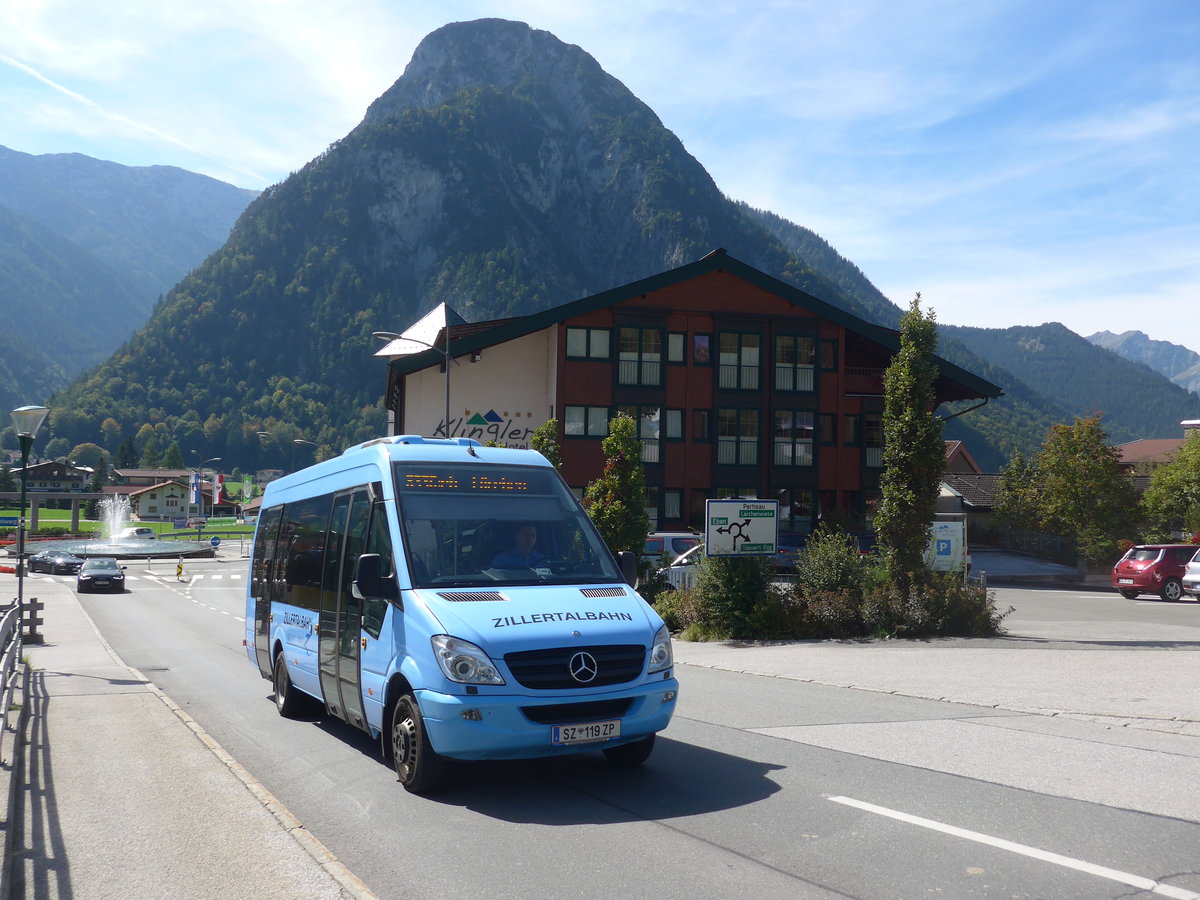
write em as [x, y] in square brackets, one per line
[1172, 501]
[173, 458]
[1085, 494]
[545, 441]
[616, 501]
[914, 453]
[1016, 502]
[127, 455]
[151, 454]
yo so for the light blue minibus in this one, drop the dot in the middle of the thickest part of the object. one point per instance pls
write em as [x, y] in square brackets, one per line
[455, 601]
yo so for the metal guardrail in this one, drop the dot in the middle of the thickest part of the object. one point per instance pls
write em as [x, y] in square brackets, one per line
[10, 640]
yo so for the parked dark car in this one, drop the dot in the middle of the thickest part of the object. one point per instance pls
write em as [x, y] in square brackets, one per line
[56, 562]
[101, 573]
[1152, 569]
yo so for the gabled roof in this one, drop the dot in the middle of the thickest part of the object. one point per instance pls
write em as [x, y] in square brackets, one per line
[468, 338]
[156, 487]
[1150, 450]
[959, 449]
[976, 489]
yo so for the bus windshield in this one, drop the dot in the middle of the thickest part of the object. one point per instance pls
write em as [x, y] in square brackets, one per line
[470, 526]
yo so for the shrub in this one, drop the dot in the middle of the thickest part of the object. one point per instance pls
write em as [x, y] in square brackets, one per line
[830, 563]
[728, 593]
[939, 605]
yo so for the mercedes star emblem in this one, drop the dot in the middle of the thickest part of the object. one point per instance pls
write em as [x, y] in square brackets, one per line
[582, 667]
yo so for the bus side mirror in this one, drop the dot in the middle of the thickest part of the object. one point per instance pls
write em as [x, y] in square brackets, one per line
[368, 581]
[629, 564]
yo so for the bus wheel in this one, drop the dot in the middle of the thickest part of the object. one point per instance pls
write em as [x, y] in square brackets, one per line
[633, 754]
[287, 699]
[420, 769]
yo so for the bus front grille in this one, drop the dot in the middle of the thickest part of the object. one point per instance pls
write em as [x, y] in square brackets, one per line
[562, 668]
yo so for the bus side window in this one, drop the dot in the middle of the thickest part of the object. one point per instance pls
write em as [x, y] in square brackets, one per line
[380, 541]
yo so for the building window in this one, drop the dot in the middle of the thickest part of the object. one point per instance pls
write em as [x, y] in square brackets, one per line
[794, 358]
[585, 421]
[652, 507]
[737, 493]
[649, 423]
[829, 360]
[793, 438]
[588, 343]
[702, 349]
[676, 341]
[640, 354]
[873, 439]
[853, 425]
[702, 425]
[796, 510]
[739, 361]
[672, 504]
[737, 437]
[826, 431]
[673, 425]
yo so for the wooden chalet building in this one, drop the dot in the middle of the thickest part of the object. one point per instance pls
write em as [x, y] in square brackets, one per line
[742, 385]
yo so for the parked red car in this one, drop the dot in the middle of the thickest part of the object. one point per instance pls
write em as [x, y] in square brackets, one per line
[1152, 569]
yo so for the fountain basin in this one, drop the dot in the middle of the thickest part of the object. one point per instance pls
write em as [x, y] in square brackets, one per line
[124, 548]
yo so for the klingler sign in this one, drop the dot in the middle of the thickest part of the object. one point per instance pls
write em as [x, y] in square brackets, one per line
[740, 527]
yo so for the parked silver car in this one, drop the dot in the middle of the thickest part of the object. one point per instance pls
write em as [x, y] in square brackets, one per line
[1191, 576]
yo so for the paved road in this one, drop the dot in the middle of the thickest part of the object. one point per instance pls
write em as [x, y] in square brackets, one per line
[1045, 764]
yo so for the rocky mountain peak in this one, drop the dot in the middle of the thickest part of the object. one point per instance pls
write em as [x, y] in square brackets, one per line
[510, 57]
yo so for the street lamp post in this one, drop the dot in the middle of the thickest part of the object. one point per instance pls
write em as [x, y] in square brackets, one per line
[444, 350]
[196, 491]
[27, 420]
[296, 441]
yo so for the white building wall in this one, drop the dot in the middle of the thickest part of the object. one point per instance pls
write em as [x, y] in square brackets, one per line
[503, 397]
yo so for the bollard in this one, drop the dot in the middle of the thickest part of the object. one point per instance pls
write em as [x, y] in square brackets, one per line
[179, 570]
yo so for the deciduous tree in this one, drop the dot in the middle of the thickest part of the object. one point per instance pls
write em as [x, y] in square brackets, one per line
[914, 453]
[616, 501]
[1085, 494]
[1172, 501]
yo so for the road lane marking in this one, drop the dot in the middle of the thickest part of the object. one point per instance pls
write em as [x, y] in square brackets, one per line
[1137, 881]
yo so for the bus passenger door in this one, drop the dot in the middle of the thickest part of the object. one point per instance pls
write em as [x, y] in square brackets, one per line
[341, 612]
[261, 586]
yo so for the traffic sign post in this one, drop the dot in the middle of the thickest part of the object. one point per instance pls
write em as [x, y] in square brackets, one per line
[740, 527]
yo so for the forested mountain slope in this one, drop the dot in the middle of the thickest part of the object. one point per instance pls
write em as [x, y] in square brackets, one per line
[1135, 401]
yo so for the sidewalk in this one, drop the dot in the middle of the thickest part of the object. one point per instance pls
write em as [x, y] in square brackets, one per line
[126, 796]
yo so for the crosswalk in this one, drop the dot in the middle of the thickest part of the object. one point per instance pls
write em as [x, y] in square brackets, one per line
[188, 577]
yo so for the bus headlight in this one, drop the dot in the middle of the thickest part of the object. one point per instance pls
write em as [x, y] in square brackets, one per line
[463, 662]
[660, 651]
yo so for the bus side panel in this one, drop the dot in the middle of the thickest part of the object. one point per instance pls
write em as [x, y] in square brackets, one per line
[295, 629]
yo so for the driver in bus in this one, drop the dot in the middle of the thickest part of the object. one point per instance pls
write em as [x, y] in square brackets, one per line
[523, 554]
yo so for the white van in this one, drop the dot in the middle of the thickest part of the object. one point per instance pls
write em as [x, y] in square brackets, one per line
[455, 601]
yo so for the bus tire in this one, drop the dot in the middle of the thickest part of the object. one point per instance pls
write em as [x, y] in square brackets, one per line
[632, 754]
[418, 767]
[287, 699]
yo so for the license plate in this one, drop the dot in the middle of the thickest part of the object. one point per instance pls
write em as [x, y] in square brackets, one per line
[100, 581]
[586, 732]
[1124, 581]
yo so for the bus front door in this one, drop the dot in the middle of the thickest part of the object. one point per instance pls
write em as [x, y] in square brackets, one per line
[341, 613]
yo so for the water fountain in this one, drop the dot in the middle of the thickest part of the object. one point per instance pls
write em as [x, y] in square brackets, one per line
[114, 516]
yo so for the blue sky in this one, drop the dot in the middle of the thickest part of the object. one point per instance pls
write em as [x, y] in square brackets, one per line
[1015, 162]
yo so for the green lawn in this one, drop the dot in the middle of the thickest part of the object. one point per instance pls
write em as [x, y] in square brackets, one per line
[61, 518]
